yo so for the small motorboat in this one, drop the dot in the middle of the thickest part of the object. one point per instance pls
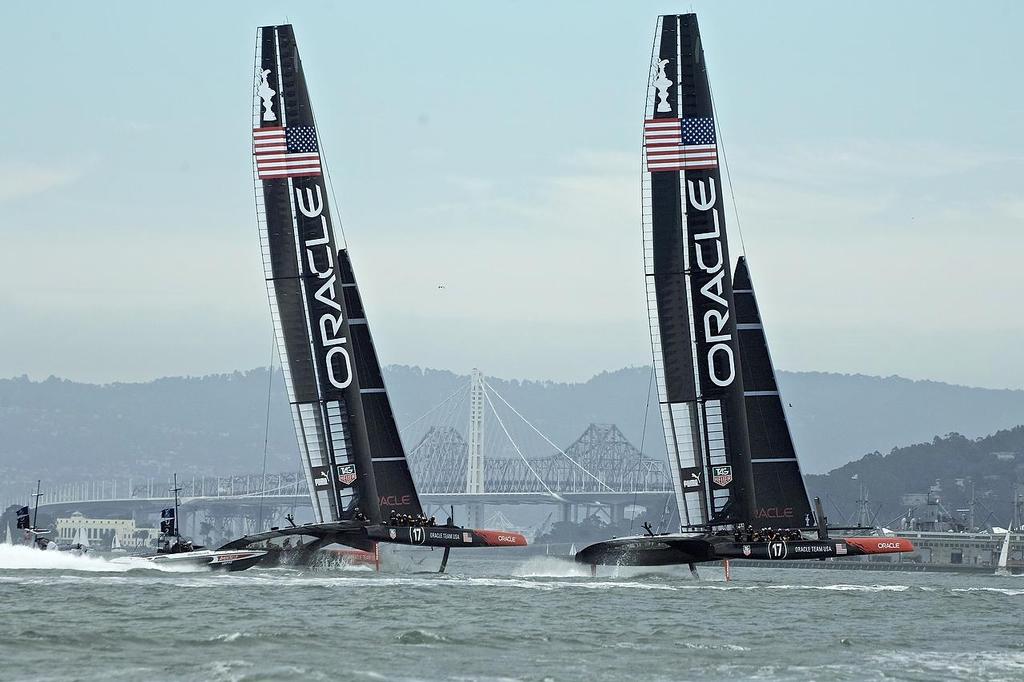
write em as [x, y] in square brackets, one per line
[217, 559]
[181, 552]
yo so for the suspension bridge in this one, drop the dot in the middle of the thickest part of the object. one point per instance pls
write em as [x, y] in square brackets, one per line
[473, 449]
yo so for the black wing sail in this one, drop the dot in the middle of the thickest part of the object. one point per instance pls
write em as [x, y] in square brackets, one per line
[340, 408]
[778, 485]
[689, 286]
[395, 486]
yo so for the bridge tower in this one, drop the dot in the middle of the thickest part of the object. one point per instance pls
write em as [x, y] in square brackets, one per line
[475, 463]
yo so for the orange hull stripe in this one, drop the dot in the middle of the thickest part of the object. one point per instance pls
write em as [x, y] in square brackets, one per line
[881, 545]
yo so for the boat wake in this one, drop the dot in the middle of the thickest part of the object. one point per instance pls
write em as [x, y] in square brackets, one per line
[551, 567]
[17, 557]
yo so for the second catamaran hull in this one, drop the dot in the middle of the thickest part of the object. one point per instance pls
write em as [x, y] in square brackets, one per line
[213, 559]
[364, 537]
[667, 550]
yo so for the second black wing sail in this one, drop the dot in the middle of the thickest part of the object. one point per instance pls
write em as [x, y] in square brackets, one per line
[343, 422]
[689, 286]
[778, 485]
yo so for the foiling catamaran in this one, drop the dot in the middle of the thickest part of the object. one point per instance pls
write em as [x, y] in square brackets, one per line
[359, 480]
[737, 480]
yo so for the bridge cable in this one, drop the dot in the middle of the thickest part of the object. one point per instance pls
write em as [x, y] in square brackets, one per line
[521, 456]
[444, 442]
[442, 426]
[266, 432]
[643, 438]
[560, 450]
[435, 408]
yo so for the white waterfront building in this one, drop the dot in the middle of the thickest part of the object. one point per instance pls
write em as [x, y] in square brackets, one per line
[100, 532]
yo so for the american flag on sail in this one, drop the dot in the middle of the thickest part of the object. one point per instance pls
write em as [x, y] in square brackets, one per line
[674, 144]
[285, 152]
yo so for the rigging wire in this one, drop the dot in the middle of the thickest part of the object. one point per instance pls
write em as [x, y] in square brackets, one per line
[640, 453]
[728, 173]
[266, 432]
[564, 454]
[521, 455]
[327, 173]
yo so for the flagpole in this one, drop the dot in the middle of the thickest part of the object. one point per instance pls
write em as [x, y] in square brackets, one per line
[177, 528]
[35, 514]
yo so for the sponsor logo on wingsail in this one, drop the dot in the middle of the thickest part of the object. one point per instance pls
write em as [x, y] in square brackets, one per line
[774, 513]
[347, 474]
[721, 475]
[329, 326]
[710, 258]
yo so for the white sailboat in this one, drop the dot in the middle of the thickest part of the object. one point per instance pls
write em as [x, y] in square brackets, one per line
[1003, 567]
[81, 543]
[116, 547]
[8, 540]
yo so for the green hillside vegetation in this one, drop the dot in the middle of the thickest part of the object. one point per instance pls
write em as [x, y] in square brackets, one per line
[953, 465]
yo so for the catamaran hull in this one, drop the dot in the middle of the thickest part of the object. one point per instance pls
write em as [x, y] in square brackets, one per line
[366, 537]
[667, 550]
[221, 560]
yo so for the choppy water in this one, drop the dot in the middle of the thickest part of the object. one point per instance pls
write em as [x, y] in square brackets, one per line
[66, 617]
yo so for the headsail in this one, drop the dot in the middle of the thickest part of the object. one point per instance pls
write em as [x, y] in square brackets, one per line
[349, 443]
[778, 485]
[689, 287]
[1002, 565]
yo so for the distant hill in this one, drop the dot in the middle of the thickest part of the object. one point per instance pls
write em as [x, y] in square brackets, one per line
[215, 424]
[837, 417]
[993, 466]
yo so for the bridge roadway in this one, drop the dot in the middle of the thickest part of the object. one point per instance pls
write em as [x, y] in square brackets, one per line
[133, 506]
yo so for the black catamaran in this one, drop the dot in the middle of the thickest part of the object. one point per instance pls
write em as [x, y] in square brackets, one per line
[353, 457]
[738, 486]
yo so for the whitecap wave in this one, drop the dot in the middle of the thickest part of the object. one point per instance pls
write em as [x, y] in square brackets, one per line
[20, 557]
[1009, 592]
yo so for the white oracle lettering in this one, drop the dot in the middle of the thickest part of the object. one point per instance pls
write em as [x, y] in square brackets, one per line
[323, 239]
[714, 234]
[719, 335]
[718, 381]
[704, 203]
[714, 289]
[329, 360]
[331, 339]
[331, 302]
[310, 212]
[700, 257]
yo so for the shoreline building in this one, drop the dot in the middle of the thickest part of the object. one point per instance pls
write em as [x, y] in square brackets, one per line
[100, 532]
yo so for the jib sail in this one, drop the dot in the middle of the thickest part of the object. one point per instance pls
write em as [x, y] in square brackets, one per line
[349, 443]
[689, 285]
[778, 486]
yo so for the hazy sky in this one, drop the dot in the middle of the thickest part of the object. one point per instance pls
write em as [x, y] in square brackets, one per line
[876, 153]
